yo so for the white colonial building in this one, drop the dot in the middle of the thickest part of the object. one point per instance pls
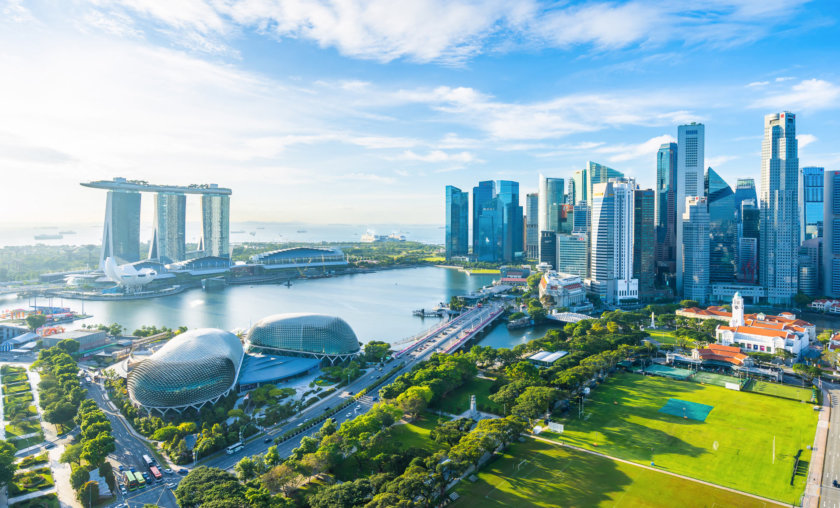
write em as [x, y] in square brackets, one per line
[566, 290]
[761, 333]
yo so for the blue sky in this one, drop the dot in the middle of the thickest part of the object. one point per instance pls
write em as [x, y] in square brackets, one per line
[361, 112]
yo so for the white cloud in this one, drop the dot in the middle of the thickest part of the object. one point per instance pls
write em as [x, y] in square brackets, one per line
[716, 161]
[810, 94]
[626, 152]
[805, 139]
[759, 83]
[455, 30]
[438, 156]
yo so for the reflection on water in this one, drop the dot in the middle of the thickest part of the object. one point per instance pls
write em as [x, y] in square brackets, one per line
[377, 305]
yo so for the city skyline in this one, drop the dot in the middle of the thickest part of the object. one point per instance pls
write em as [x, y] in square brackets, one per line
[314, 123]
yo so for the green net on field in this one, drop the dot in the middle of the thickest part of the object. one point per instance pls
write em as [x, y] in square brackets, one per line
[684, 408]
[664, 370]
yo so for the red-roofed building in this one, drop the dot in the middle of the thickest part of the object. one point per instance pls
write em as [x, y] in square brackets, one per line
[760, 333]
[720, 353]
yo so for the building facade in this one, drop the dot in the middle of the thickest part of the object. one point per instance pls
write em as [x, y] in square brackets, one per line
[572, 254]
[457, 222]
[551, 199]
[811, 181]
[611, 242]
[548, 248]
[690, 182]
[831, 235]
[695, 262]
[723, 228]
[121, 234]
[512, 245]
[779, 230]
[215, 225]
[644, 241]
[532, 231]
[665, 214]
[169, 238]
[483, 193]
[748, 238]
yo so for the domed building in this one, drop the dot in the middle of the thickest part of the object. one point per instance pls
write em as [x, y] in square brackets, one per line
[195, 368]
[313, 335]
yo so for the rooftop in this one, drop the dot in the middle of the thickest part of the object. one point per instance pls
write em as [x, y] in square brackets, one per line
[548, 356]
[121, 184]
[257, 369]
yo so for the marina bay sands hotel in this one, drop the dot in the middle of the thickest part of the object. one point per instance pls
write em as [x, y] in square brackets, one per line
[121, 234]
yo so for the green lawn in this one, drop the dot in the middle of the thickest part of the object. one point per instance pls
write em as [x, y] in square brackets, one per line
[31, 481]
[733, 447]
[32, 460]
[458, 400]
[536, 473]
[16, 388]
[780, 390]
[19, 397]
[46, 501]
[25, 427]
[414, 436]
[664, 337]
[20, 444]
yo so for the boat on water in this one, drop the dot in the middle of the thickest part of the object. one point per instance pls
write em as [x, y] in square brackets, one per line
[253, 233]
[301, 231]
[260, 227]
[48, 237]
[67, 232]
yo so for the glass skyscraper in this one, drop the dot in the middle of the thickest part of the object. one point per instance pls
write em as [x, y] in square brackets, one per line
[748, 242]
[665, 214]
[457, 222]
[644, 240]
[482, 193]
[572, 254]
[121, 234]
[169, 240]
[744, 189]
[723, 228]
[511, 225]
[691, 139]
[779, 242]
[532, 231]
[831, 235]
[811, 201]
[611, 241]
[696, 252]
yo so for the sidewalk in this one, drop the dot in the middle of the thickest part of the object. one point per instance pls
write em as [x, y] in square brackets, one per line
[811, 499]
[32, 495]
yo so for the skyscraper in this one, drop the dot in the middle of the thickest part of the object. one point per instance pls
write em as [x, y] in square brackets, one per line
[532, 232]
[548, 248]
[644, 240]
[748, 242]
[482, 193]
[665, 214]
[598, 173]
[457, 225]
[723, 229]
[121, 234]
[811, 181]
[695, 263]
[512, 234]
[744, 189]
[578, 187]
[215, 222]
[550, 200]
[691, 139]
[489, 231]
[571, 254]
[169, 240]
[831, 234]
[611, 241]
[779, 244]
[580, 219]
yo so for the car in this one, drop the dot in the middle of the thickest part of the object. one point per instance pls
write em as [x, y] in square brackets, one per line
[183, 472]
[268, 439]
[349, 393]
[167, 471]
[299, 424]
[131, 468]
[121, 468]
[349, 415]
[49, 446]
[124, 492]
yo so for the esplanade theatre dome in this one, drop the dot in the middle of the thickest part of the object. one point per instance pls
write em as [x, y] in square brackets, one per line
[309, 334]
[192, 369]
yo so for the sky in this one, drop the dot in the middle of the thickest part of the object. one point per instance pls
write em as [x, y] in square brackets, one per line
[361, 112]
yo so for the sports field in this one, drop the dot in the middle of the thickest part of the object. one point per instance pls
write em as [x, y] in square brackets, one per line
[536, 473]
[779, 390]
[733, 447]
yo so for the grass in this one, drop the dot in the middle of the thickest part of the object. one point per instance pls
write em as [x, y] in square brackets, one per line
[664, 337]
[20, 444]
[23, 428]
[46, 501]
[20, 397]
[14, 378]
[32, 460]
[780, 390]
[536, 473]
[18, 388]
[31, 481]
[435, 259]
[7, 370]
[483, 271]
[458, 400]
[733, 447]
[411, 435]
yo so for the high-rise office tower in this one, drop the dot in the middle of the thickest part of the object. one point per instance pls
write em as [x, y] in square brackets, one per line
[572, 254]
[482, 193]
[215, 222]
[489, 231]
[457, 222]
[551, 199]
[808, 277]
[532, 231]
[695, 263]
[580, 220]
[548, 248]
[813, 249]
[578, 187]
[691, 139]
[598, 173]
[779, 243]
[121, 234]
[611, 241]
[811, 202]
[748, 228]
[723, 228]
[644, 244]
[744, 189]
[831, 234]
[665, 214]
[512, 234]
[169, 240]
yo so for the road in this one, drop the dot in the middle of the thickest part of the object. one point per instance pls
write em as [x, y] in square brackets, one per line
[445, 338]
[129, 452]
[830, 495]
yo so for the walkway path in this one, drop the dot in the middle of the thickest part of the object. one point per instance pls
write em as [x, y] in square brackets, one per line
[584, 450]
[32, 495]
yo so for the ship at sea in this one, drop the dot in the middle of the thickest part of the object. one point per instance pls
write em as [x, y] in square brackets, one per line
[67, 232]
[48, 237]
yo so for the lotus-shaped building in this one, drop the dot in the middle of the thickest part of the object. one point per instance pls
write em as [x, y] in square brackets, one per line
[314, 335]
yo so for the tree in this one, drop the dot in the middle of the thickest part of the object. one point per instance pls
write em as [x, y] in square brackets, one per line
[805, 372]
[35, 321]
[88, 494]
[115, 329]
[451, 431]
[348, 494]
[60, 413]
[376, 351]
[534, 401]
[689, 303]
[205, 485]
[272, 458]
[7, 463]
[96, 449]
[245, 468]
[802, 300]
[281, 478]
[522, 370]
[69, 346]
[72, 454]
[456, 303]
[78, 477]
[415, 400]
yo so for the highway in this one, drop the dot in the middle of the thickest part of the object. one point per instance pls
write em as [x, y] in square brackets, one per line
[441, 338]
[829, 494]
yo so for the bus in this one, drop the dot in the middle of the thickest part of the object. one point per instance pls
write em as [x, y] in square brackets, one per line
[148, 461]
[141, 482]
[156, 473]
[235, 447]
[130, 480]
